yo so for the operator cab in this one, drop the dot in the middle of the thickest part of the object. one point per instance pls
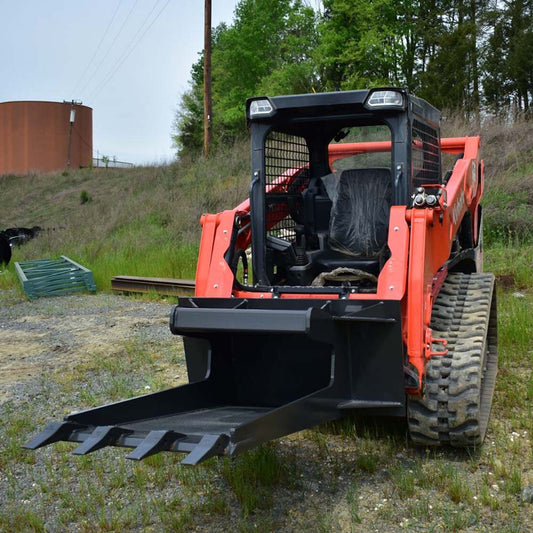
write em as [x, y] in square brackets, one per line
[326, 169]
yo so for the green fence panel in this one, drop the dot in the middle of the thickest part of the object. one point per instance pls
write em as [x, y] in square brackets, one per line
[50, 277]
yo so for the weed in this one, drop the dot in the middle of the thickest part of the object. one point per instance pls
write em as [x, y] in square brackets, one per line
[352, 497]
[85, 197]
[320, 439]
[421, 509]
[404, 480]
[515, 323]
[252, 474]
[458, 519]
[488, 499]
[513, 483]
[176, 515]
[458, 490]
[367, 463]
[22, 518]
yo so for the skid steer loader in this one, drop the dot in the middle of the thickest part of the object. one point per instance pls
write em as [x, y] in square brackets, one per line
[366, 290]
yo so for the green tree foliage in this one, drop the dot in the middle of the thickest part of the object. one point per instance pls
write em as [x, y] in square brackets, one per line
[448, 81]
[188, 122]
[508, 64]
[359, 44]
[462, 55]
[266, 50]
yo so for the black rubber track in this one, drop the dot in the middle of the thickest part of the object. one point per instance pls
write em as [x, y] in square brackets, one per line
[459, 385]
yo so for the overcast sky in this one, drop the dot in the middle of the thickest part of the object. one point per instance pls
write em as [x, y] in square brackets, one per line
[127, 59]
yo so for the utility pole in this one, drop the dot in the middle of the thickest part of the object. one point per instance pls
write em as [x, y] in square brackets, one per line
[208, 104]
[72, 118]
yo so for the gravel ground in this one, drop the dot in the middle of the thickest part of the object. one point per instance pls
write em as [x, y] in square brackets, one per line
[51, 334]
[339, 482]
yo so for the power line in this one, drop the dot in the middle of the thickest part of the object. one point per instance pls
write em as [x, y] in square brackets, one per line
[98, 47]
[109, 48]
[127, 52]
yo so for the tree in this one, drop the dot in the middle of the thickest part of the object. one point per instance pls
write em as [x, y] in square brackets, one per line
[508, 64]
[358, 44]
[188, 125]
[266, 49]
[458, 54]
[450, 79]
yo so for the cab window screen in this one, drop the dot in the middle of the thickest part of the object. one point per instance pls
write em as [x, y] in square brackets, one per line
[425, 155]
[286, 176]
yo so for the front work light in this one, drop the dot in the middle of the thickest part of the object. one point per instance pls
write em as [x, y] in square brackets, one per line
[260, 108]
[385, 98]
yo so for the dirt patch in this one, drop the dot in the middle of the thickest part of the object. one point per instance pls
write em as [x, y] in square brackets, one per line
[54, 334]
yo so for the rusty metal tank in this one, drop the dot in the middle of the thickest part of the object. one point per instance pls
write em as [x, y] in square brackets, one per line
[44, 136]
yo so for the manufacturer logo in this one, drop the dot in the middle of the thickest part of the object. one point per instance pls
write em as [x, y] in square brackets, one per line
[458, 208]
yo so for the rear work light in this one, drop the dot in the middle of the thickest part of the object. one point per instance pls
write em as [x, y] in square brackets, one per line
[385, 99]
[260, 108]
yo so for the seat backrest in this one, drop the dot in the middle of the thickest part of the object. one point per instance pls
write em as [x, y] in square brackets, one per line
[361, 200]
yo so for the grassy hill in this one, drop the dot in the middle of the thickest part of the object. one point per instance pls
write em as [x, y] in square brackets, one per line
[145, 221]
[140, 221]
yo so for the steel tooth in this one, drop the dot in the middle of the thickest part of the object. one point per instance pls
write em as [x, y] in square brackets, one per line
[102, 436]
[53, 432]
[156, 441]
[209, 446]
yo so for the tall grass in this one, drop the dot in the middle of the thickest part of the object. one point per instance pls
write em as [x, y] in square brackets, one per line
[507, 150]
[142, 221]
[508, 199]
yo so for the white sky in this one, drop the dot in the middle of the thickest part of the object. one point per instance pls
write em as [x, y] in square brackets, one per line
[55, 50]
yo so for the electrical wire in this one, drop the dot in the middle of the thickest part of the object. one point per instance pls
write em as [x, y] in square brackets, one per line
[98, 47]
[110, 47]
[127, 52]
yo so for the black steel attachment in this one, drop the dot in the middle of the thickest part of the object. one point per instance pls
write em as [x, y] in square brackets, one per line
[258, 370]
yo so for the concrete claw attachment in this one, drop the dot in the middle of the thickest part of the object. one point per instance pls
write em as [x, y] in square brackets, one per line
[209, 446]
[156, 441]
[53, 432]
[102, 436]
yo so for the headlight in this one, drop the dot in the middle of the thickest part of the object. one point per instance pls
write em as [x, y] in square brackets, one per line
[385, 99]
[260, 108]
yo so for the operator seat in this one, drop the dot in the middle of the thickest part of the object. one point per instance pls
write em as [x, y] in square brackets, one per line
[359, 221]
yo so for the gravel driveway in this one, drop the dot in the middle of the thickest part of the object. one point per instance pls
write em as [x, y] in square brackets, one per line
[51, 334]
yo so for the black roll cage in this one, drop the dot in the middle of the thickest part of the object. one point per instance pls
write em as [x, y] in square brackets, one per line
[317, 118]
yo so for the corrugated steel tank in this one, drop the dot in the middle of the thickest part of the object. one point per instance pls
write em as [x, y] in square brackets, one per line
[39, 136]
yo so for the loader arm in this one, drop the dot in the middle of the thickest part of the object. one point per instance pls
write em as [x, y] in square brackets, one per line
[432, 233]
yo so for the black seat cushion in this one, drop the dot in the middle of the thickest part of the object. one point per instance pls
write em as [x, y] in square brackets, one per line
[361, 201]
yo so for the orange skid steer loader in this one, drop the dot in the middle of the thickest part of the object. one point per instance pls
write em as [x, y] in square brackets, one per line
[365, 291]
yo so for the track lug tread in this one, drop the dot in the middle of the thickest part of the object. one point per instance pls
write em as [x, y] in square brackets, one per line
[459, 385]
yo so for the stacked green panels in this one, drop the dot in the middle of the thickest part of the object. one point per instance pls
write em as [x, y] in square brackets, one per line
[50, 277]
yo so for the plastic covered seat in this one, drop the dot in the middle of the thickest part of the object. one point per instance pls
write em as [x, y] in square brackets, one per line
[361, 201]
